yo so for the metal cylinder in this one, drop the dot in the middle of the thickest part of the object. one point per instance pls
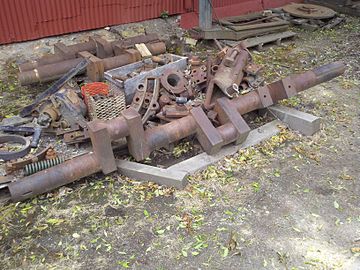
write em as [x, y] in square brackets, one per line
[89, 46]
[55, 71]
[121, 60]
[86, 165]
[54, 177]
[162, 136]
[318, 75]
[48, 72]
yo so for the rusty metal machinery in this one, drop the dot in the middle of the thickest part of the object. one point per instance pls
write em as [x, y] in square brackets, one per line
[96, 45]
[231, 129]
[108, 56]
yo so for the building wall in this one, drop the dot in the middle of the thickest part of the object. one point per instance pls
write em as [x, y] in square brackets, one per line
[22, 20]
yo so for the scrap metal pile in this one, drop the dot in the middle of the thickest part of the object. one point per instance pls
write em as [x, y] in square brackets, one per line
[163, 98]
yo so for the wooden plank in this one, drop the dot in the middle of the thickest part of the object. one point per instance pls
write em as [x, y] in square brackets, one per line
[255, 41]
[224, 33]
[258, 25]
[242, 18]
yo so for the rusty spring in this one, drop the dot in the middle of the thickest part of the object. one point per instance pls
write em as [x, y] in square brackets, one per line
[42, 165]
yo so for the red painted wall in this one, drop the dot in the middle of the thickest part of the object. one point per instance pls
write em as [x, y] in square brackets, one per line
[227, 8]
[22, 20]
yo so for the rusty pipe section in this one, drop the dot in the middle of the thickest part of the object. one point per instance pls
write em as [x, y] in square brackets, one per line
[49, 72]
[55, 71]
[164, 135]
[88, 164]
[50, 179]
[318, 75]
[89, 46]
[121, 60]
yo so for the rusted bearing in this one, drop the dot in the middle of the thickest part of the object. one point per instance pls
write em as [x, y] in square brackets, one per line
[5, 155]
[174, 81]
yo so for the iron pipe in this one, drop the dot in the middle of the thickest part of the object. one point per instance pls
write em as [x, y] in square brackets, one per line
[121, 60]
[50, 72]
[164, 135]
[47, 180]
[89, 46]
[228, 133]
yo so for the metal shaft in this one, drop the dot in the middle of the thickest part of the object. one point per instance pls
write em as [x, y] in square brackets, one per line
[89, 46]
[53, 71]
[86, 165]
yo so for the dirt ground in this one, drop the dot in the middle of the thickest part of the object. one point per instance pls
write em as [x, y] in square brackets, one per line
[290, 203]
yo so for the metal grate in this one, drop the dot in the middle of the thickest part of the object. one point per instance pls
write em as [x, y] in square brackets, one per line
[107, 107]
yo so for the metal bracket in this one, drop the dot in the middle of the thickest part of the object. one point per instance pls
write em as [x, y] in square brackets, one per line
[65, 52]
[136, 140]
[265, 96]
[101, 143]
[95, 70]
[103, 48]
[289, 87]
[208, 136]
[227, 113]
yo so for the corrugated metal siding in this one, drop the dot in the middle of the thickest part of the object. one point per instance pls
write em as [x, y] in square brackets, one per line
[226, 8]
[30, 19]
[22, 20]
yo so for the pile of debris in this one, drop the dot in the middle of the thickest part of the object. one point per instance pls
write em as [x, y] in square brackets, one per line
[243, 26]
[269, 26]
[139, 92]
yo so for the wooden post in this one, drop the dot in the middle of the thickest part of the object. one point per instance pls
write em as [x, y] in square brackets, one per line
[205, 14]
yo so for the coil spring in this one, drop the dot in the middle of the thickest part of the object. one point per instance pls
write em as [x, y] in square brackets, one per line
[42, 165]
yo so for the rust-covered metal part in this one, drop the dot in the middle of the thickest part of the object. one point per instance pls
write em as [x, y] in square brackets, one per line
[146, 98]
[55, 71]
[96, 68]
[228, 75]
[198, 75]
[15, 165]
[96, 45]
[232, 129]
[60, 56]
[174, 81]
